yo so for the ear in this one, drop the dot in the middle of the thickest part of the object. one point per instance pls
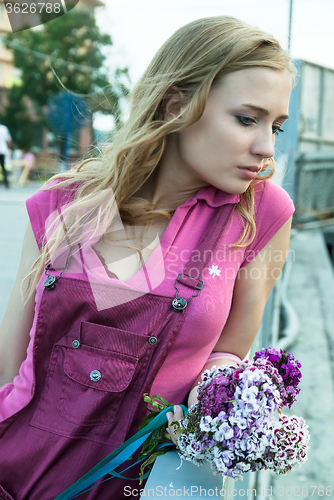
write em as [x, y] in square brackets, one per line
[174, 103]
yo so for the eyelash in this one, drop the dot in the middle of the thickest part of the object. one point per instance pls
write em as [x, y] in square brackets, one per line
[276, 129]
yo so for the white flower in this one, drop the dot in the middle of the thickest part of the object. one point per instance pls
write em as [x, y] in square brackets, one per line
[242, 423]
[205, 424]
[249, 393]
[220, 464]
[224, 432]
[243, 466]
[281, 455]
[214, 271]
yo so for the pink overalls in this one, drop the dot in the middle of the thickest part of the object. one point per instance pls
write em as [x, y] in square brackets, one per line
[91, 369]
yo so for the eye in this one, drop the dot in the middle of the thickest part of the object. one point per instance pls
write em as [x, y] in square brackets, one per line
[277, 130]
[246, 121]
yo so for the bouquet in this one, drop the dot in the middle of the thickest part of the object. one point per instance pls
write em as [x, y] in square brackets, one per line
[233, 425]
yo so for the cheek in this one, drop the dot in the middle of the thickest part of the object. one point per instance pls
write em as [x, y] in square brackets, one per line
[201, 152]
[203, 139]
[211, 141]
[193, 146]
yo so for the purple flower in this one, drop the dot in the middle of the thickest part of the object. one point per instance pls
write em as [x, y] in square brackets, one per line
[288, 369]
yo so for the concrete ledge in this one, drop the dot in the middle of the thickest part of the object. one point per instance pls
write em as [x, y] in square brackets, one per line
[171, 478]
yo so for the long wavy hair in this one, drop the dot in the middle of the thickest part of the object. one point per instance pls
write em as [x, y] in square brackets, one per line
[193, 59]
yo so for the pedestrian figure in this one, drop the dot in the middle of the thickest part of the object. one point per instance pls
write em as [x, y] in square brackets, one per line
[28, 166]
[149, 264]
[17, 163]
[5, 145]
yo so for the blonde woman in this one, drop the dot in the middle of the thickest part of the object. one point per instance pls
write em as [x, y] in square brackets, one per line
[149, 264]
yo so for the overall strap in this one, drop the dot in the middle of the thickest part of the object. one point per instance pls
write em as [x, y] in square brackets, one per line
[211, 236]
[208, 241]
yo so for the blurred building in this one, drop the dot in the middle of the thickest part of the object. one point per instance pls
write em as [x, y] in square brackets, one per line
[306, 150]
[46, 148]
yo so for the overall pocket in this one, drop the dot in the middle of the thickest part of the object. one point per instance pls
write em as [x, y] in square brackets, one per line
[85, 384]
[93, 385]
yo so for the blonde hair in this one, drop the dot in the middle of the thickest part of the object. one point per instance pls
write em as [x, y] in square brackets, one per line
[194, 58]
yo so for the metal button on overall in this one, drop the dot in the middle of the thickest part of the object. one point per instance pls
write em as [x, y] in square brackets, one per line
[179, 303]
[95, 375]
[152, 340]
[50, 282]
[76, 344]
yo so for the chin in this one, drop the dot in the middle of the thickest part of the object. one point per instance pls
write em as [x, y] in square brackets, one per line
[237, 189]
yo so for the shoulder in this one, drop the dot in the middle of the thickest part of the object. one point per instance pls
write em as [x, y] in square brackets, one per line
[273, 208]
[44, 205]
[271, 202]
[52, 195]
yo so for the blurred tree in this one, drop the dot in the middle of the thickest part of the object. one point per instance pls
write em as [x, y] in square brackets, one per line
[76, 48]
[17, 118]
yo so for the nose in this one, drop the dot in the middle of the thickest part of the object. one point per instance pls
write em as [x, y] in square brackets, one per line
[264, 143]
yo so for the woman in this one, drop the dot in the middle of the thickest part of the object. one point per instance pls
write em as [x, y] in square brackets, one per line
[159, 258]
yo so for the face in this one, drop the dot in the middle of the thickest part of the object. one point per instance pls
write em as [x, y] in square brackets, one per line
[228, 145]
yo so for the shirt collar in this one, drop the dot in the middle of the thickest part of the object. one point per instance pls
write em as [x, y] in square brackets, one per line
[213, 196]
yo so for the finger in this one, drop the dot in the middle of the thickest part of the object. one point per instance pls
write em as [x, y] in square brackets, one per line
[174, 434]
[178, 412]
[173, 429]
[193, 395]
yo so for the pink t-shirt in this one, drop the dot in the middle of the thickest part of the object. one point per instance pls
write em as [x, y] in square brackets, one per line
[207, 313]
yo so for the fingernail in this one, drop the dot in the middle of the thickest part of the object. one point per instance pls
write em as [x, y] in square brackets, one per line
[169, 415]
[175, 408]
[167, 430]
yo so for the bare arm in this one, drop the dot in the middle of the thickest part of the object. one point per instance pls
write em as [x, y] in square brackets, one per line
[18, 318]
[251, 291]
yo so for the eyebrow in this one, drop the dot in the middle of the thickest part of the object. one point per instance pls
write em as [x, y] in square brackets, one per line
[264, 110]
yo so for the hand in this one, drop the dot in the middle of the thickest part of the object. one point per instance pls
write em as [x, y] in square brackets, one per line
[192, 398]
[173, 430]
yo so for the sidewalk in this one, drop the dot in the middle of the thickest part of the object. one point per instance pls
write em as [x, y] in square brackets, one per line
[311, 293]
[13, 223]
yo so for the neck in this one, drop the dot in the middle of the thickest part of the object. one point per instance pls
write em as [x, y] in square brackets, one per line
[170, 185]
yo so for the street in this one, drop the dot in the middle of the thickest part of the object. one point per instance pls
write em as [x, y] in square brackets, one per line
[13, 223]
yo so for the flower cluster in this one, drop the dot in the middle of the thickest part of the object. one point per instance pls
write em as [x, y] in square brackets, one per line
[287, 445]
[233, 425]
[288, 369]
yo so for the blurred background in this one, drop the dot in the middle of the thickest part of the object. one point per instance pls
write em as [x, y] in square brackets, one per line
[63, 89]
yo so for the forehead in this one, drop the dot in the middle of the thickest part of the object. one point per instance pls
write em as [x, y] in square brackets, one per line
[262, 87]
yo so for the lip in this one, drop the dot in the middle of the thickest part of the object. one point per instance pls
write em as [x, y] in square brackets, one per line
[249, 172]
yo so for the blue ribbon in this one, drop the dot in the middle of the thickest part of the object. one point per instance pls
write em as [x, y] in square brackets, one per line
[119, 475]
[117, 457]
